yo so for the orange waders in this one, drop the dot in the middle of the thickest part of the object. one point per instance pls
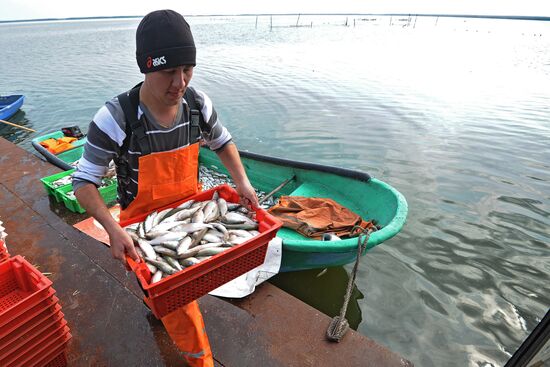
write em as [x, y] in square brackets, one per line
[164, 178]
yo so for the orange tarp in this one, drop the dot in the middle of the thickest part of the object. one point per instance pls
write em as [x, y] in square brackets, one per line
[312, 217]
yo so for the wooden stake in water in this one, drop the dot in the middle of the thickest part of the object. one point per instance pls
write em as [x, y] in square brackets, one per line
[19, 126]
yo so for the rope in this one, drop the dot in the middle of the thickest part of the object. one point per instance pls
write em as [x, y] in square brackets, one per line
[339, 325]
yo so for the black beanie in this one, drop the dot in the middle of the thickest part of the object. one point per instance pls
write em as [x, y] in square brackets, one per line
[164, 40]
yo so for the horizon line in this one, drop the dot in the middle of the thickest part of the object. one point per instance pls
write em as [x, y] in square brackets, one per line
[483, 16]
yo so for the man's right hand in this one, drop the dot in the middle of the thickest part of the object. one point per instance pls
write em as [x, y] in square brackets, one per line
[122, 244]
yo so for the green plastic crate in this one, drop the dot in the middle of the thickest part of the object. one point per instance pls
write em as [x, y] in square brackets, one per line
[108, 193]
[55, 191]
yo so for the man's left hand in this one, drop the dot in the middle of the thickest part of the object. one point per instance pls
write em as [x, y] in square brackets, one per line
[248, 195]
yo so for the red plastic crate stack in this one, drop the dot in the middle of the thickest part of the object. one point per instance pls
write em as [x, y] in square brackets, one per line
[33, 330]
[4, 255]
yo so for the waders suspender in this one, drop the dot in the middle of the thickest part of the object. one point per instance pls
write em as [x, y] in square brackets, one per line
[196, 119]
[129, 101]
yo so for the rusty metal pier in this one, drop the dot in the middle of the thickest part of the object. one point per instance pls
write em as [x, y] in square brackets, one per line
[110, 324]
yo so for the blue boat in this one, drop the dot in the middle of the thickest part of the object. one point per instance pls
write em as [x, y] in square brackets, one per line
[9, 105]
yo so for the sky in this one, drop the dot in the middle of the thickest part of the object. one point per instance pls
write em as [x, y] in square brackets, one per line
[36, 9]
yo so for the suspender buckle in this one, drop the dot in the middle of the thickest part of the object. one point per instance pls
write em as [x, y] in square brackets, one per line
[195, 133]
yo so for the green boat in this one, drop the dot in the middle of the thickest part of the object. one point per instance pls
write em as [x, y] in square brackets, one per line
[63, 160]
[357, 191]
[366, 196]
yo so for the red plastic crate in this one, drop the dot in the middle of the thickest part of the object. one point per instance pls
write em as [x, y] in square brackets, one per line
[194, 282]
[57, 358]
[4, 255]
[31, 332]
[16, 321]
[33, 349]
[19, 329]
[59, 342]
[22, 286]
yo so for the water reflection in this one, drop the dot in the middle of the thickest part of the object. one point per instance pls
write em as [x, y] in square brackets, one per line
[323, 289]
[13, 133]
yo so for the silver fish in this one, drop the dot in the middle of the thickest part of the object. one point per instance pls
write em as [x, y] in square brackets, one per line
[183, 206]
[164, 251]
[172, 245]
[186, 204]
[210, 211]
[242, 210]
[202, 258]
[148, 222]
[236, 240]
[183, 245]
[147, 248]
[198, 217]
[168, 236]
[162, 227]
[217, 233]
[219, 227]
[193, 227]
[179, 228]
[190, 261]
[194, 251]
[233, 206]
[210, 251]
[140, 252]
[187, 213]
[152, 268]
[181, 214]
[141, 230]
[162, 215]
[222, 206]
[210, 237]
[246, 226]
[133, 235]
[173, 262]
[132, 226]
[239, 233]
[234, 218]
[197, 204]
[197, 237]
[156, 277]
[162, 265]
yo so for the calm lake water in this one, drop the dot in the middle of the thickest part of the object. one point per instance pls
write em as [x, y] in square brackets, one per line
[454, 113]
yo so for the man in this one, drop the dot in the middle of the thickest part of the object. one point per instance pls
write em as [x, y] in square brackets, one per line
[152, 135]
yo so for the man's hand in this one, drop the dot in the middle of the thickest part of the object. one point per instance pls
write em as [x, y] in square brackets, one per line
[122, 244]
[248, 195]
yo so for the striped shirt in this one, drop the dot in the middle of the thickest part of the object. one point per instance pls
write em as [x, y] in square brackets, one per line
[107, 132]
